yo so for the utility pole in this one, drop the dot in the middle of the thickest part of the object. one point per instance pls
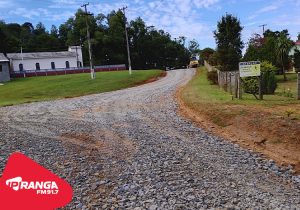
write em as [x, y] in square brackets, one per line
[127, 41]
[263, 26]
[93, 76]
[22, 55]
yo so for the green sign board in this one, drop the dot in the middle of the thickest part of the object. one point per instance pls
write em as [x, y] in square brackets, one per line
[249, 69]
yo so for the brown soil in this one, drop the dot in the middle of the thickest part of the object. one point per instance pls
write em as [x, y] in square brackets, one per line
[162, 74]
[103, 141]
[261, 129]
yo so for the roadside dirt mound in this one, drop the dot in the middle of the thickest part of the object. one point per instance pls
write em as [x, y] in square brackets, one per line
[258, 128]
[105, 142]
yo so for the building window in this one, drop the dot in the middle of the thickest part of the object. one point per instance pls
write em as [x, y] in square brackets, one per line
[79, 64]
[52, 65]
[21, 68]
[0, 68]
[67, 64]
[37, 66]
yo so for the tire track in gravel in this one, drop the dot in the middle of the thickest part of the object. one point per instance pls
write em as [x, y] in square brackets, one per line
[129, 149]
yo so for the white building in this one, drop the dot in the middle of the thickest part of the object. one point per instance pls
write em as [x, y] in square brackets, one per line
[46, 60]
[294, 48]
[4, 68]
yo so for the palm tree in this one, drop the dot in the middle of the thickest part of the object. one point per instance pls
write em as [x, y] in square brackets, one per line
[284, 45]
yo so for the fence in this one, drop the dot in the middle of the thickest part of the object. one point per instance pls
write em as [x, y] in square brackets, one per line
[209, 67]
[54, 72]
[298, 86]
[228, 80]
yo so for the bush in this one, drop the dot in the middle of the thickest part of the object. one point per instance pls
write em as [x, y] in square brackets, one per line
[212, 77]
[269, 83]
[250, 85]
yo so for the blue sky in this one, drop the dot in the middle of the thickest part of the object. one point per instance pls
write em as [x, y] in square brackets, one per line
[195, 19]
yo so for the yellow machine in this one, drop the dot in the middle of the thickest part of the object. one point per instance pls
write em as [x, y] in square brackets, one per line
[194, 63]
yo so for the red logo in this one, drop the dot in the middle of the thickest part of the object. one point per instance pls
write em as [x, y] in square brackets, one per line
[27, 185]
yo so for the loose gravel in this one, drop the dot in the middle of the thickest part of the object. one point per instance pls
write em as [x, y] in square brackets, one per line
[129, 149]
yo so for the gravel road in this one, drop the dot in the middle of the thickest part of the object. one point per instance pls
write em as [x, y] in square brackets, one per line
[129, 149]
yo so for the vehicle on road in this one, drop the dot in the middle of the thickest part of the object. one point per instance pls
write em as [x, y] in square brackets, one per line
[194, 63]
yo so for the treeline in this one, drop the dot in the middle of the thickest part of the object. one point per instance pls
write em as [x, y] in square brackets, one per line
[150, 48]
[273, 47]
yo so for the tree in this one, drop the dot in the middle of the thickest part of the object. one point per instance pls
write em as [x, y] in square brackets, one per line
[194, 47]
[150, 48]
[54, 31]
[206, 53]
[229, 43]
[283, 48]
[269, 82]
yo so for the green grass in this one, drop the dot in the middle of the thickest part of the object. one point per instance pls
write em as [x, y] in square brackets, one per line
[32, 89]
[200, 89]
[287, 88]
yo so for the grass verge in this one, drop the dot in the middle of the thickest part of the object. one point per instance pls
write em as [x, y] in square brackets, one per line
[263, 126]
[33, 89]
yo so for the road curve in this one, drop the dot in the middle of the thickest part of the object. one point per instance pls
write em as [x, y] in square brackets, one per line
[129, 149]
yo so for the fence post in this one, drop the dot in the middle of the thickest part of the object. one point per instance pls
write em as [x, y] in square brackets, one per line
[239, 87]
[230, 83]
[261, 97]
[299, 86]
[236, 86]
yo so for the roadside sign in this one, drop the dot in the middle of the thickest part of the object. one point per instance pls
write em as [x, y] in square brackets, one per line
[249, 69]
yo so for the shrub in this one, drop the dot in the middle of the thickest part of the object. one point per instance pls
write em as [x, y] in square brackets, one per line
[250, 85]
[269, 82]
[212, 77]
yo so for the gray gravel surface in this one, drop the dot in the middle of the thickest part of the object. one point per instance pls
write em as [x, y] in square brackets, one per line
[129, 149]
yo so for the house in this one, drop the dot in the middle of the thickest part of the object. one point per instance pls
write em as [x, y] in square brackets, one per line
[46, 60]
[294, 48]
[4, 68]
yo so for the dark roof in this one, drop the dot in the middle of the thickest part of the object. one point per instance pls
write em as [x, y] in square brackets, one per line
[41, 55]
[3, 58]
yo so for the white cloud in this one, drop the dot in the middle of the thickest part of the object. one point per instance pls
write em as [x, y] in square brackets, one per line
[268, 8]
[6, 4]
[178, 17]
[41, 12]
[26, 13]
[205, 3]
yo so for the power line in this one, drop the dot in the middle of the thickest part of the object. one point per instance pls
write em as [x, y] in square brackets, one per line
[127, 41]
[93, 76]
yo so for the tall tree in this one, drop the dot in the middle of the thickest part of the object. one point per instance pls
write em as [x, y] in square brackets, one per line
[206, 53]
[283, 48]
[229, 42]
[150, 48]
[194, 47]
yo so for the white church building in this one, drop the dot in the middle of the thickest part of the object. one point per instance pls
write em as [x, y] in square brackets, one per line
[38, 61]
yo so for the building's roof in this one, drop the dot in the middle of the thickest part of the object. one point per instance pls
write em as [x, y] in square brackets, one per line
[38, 55]
[297, 42]
[3, 58]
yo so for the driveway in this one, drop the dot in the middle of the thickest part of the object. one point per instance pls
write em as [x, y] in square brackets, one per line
[129, 149]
